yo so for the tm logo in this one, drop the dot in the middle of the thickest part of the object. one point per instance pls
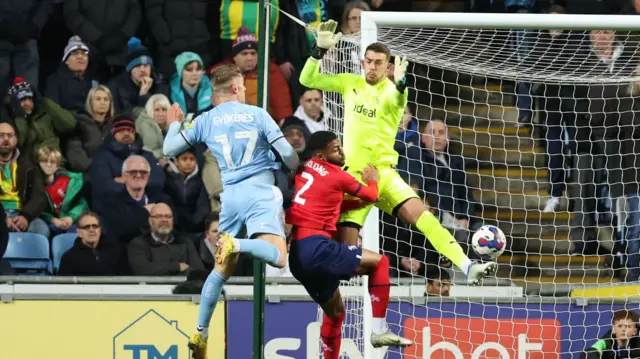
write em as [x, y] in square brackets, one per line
[151, 336]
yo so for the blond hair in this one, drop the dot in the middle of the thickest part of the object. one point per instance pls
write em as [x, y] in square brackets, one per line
[222, 76]
[151, 103]
[46, 153]
[94, 89]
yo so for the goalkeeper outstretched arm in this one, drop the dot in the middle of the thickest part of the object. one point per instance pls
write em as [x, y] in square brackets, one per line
[311, 76]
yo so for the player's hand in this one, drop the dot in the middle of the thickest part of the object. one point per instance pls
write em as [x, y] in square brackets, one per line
[326, 36]
[175, 114]
[400, 68]
[370, 173]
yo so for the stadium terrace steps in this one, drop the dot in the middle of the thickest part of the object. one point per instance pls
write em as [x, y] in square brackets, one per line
[506, 169]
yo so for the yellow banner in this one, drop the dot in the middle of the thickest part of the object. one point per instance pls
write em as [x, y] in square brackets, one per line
[104, 329]
[623, 291]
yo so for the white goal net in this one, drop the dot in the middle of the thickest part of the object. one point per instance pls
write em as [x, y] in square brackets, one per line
[542, 142]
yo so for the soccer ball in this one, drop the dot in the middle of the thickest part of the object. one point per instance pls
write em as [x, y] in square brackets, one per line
[489, 241]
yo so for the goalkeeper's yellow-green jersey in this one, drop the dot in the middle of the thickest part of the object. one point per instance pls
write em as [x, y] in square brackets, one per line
[372, 114]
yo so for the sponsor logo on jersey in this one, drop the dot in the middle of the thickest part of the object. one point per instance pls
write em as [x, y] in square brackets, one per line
[364, 111]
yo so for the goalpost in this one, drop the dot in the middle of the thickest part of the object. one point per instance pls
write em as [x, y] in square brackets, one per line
[464, 70]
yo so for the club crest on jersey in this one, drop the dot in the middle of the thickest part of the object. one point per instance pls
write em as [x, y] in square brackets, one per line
[365, 111]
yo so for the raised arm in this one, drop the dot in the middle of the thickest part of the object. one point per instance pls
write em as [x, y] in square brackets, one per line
[276, 139]
[178, 139]
[311, 76]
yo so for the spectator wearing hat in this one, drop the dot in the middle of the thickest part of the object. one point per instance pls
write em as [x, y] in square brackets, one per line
[106, 169]
[107, 25]
[297, 134]
[179, 26]
[70, 84]
[132, 89]
[190, 87]
[245, 54]
[39, 121]
[20, 26]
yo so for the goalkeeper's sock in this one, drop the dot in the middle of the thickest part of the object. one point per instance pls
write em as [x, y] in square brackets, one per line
[442, 240]
[209, 298]
[331, 335]
[259, 249]
[379, 287]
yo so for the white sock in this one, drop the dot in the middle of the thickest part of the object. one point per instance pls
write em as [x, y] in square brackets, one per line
[379, 326]
[204, 332]
[466, 265]
[236, 244]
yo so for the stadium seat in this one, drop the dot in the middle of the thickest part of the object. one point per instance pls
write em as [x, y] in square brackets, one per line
[60, 244]
[28, 252]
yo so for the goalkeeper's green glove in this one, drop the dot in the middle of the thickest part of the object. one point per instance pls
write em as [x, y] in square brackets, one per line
[326, 38]
[399, 73]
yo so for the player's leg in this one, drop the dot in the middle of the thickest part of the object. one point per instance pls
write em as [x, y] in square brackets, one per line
[350, 223]
[398, 198]
[263, 215]
[231, 221]
[376, 266]
[331, 329]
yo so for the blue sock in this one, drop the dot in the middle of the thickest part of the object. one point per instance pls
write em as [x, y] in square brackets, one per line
[261, 250]
[209, 298]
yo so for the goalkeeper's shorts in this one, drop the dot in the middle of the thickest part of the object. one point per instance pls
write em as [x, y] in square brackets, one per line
[393, 191]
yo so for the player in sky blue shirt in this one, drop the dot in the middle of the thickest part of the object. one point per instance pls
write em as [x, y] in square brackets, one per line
[241, 137]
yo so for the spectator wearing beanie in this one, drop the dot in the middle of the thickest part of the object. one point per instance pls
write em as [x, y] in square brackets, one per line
[106, 168]
[70, 84]
[190, 87]
[132, 89]
[107, 25]
[179, 26]
[297, 134]
[245, 54]
[39, 121]
[20, 26]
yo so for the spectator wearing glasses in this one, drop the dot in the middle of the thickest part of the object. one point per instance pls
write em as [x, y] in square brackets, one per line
[64, 193]
[126, 213]
[106, 174]
[69, 86]
[162, 251]
[92, 253]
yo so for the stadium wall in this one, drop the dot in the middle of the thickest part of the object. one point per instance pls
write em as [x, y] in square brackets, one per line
[156, 327]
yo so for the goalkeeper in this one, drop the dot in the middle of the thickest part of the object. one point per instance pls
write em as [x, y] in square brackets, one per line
[373, 108]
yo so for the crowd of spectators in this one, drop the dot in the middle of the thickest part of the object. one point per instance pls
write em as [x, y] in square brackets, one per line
[86, 85]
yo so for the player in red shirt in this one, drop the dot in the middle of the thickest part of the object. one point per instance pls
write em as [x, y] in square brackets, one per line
[318, 262]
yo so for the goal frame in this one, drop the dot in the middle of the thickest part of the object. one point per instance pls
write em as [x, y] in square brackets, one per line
[370, 22]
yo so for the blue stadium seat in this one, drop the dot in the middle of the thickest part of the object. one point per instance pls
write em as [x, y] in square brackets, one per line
[60, 244]
[28, 252]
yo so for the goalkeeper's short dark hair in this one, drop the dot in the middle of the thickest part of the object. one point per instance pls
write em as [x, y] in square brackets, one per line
[319, 141]
[380, 48]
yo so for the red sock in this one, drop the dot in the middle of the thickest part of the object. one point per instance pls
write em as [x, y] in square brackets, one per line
[379, 287]
[331, 335]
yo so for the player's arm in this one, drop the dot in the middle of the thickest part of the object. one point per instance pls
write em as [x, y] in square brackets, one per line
[311, 76]
[178, 138]
[401, 94]
[368, 192]
[276, 139]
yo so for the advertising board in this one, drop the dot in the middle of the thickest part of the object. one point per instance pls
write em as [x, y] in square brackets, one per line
[461, 330]
[104, 329]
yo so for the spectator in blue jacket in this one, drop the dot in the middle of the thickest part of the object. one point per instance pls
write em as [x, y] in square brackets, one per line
[106, 170]
[188, 194]
[189, 86]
